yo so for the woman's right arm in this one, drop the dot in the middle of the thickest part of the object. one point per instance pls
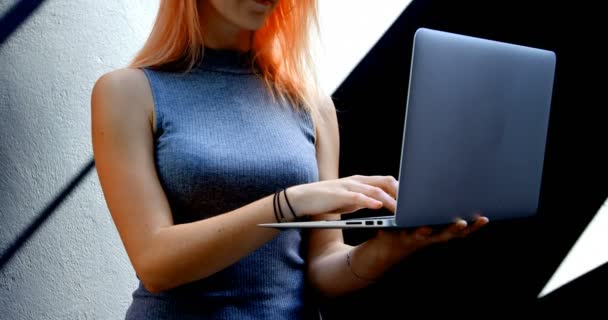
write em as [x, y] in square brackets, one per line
[165, 255]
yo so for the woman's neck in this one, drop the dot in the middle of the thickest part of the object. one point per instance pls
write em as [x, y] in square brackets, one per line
[222, 34]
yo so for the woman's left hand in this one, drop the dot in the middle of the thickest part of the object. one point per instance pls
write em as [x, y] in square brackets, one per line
[394, 245]
[398, 244]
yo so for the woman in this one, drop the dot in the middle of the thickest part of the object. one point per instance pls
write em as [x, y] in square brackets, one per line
[218, 126]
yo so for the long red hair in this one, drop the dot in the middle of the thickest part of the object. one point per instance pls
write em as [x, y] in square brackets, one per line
[281, 48]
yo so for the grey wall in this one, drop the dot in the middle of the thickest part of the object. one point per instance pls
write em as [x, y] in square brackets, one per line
[74, 266]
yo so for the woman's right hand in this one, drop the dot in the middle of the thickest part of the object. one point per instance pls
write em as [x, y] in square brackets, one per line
[344, 195]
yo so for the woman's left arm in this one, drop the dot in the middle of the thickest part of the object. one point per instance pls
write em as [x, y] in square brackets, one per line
[335, 268]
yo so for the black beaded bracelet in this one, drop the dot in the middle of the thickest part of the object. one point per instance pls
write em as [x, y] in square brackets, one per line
[289, 204]
[278, 196]
[274, 207]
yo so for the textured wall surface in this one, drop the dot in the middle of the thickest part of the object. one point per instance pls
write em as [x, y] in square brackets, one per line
[74, 266]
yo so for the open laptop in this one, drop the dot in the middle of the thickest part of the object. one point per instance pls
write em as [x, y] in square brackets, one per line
[474, 136]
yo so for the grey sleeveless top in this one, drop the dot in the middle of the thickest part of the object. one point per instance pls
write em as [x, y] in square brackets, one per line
[221, 143]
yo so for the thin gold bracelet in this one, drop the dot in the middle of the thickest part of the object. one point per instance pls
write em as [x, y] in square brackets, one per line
[348, 262]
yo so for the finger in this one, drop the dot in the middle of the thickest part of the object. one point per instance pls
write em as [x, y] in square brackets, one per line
[457, 226]
[360, 200]
[387, 183]
[423, 233]
[374, 192]
[452, 231]
[480, 221]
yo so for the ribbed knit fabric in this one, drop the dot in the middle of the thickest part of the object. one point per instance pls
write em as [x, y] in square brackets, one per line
[222, 143]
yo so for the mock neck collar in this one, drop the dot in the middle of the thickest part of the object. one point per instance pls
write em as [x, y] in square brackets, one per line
[226, 60]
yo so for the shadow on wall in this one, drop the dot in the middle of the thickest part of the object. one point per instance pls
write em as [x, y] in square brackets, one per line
[9, 23]
[16, 16]
[43, 215]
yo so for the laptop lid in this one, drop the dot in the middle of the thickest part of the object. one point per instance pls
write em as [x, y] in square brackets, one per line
[475, 132]
[475, 129]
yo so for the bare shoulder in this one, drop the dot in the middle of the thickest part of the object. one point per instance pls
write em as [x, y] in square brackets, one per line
[328, 122]
[328, 140]
[125, 93]
[327, 108]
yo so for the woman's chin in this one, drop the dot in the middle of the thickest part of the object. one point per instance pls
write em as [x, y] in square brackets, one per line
[252, 24]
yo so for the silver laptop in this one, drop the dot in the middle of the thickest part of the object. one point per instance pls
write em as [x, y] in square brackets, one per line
[474, 136]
